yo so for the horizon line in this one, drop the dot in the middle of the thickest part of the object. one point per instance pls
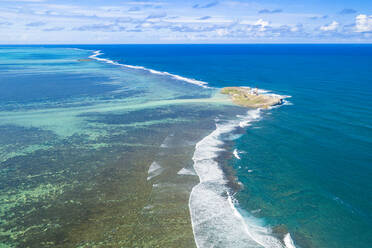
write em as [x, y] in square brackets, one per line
[258, 43]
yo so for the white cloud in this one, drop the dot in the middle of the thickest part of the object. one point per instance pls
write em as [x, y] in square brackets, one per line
[262, 24]
[294, 29]
[363, 23]
[166, 19]
[330, 27]
[222, 32]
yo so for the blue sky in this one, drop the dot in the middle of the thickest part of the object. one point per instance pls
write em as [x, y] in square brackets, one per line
[203, 21]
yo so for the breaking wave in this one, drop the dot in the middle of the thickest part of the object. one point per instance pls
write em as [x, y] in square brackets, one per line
[96, 55]
[236, 154]
[216, 219]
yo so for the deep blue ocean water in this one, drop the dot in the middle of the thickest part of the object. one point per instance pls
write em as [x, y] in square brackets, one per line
[306, 167]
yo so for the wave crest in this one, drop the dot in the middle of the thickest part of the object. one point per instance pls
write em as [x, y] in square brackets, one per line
[163, 73]
[216, 220]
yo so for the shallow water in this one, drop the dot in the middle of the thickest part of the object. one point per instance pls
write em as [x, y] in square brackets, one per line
[77, 140]
[82, 136]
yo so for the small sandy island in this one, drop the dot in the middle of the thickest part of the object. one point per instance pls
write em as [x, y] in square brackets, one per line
[251, 98]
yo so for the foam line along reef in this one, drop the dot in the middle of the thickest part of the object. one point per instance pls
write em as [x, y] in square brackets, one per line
[163, 73]
[215, 218]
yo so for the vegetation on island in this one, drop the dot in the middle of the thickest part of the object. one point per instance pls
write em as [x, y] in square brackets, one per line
[251, 98]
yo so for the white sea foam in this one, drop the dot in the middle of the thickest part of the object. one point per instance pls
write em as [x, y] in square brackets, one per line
[236, 154]
[256, 211]
[185, 171]
[96, 55]
[252, 115]
[285, 102]
[167, 141]
[216, 221]
[269, 93]
[262, 91]
[154, 170]
[163, 145]
[288, 241]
